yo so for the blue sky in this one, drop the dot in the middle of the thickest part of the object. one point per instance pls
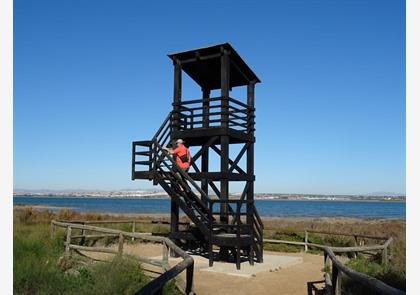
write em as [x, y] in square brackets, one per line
[92, 76]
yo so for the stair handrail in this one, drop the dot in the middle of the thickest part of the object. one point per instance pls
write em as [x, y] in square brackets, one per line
[155, 140]
[162, 126]
[185, 175]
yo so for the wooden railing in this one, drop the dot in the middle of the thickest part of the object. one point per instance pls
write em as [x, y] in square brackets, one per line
[331, 262]
[131, 222]
[156, 285]
[214, 111]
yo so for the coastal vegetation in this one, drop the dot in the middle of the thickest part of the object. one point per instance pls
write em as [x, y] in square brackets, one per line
[36, 254]
[39, 267]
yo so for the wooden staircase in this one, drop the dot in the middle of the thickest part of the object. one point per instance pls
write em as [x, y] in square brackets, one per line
[243, 238]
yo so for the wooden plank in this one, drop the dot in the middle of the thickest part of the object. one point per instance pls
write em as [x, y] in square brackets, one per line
[93, 249]
[84, 236]
[347, 234]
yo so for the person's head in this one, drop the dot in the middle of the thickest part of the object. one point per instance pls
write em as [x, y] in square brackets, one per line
[179, 142]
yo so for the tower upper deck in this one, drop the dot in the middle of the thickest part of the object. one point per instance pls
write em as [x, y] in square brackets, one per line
[214, 67]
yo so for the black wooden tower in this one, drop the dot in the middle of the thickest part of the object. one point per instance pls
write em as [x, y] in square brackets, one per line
[212, 123]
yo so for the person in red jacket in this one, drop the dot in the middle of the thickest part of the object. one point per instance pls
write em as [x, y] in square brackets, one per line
[182, 154]
[182, 157]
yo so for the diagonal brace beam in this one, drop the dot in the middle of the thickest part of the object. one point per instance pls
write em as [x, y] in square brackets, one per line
[204, 147]
[238, 158]
[219, 152]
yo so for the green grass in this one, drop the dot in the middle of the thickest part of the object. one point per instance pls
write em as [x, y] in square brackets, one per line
[389, 274]
[36, 269]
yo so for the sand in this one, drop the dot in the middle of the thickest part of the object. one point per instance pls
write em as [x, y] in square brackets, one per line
[290, 280]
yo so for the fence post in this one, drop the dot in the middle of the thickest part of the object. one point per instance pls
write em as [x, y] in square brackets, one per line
[133, 229]
[120, 243]
[68, 241]
[327, 261]
[189, 282]
[52, 229]
[83, 230]
[164, 253]
[336, 280]
[385, 255]
[309, 288]
[306, 241]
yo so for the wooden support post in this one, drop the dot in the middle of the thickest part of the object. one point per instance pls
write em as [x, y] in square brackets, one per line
[165, 253]
[306, 241]
[385, 256]
[177, 93]
[68, 241]
[210, 238]
[327, 261]
[206, 105]
[133, 229]
[205, 153]
[250, 166]
[176, 109]
[189, 282]
[52, 229]
[83, 230]
[336, 281]
[224, 88]
[224, 140]
[174, 220]
[120, 244]
[224, 182]
[309, 288]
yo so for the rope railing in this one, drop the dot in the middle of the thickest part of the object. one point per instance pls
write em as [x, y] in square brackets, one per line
[156, 285]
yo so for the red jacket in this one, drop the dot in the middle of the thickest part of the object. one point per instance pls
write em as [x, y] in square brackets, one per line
[179, 151]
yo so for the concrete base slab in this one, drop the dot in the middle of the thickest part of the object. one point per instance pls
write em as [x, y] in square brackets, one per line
[271, 263]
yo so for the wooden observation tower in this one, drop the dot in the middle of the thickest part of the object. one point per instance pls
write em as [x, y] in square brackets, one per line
[213, 124]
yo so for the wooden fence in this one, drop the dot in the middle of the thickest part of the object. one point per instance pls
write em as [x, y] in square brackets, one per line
[333, 282]
[133, 224]
[331, 262]
[156, 285]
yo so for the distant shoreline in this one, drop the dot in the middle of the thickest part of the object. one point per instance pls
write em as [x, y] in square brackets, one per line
[164, 197]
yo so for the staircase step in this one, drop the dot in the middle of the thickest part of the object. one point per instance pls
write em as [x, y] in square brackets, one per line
[146, 153]
[142, 162]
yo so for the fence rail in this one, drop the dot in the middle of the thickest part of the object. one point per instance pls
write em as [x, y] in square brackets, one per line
[155, 286]
[333, 282]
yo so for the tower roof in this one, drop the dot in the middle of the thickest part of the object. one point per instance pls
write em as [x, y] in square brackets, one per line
[204, 67]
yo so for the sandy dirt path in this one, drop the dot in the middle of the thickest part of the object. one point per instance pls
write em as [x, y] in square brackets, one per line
[291, 280]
